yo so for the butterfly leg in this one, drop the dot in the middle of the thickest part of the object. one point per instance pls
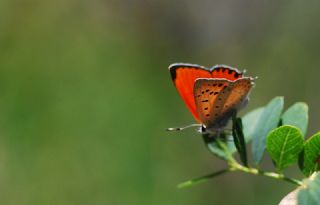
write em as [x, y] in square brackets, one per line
[182, 128]
[213, 135]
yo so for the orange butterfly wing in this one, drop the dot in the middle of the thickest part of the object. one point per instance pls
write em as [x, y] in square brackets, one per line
[238, 94]
[217, 99]
[184, 76]
[225, 72]
[207, 97]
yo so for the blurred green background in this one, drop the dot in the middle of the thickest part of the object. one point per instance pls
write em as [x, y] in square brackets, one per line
[85, 95]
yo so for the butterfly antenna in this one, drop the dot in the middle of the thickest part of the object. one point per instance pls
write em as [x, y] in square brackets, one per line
[182, 128]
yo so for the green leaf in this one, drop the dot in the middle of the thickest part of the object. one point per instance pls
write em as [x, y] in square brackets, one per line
[297, 115]
[284, 145]
[311, 155]
[215, 149]
[249, 122]
[309, 194]
[239, 140]
[267, 121]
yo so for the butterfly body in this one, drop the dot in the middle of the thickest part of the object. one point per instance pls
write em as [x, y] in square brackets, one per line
[212, 95]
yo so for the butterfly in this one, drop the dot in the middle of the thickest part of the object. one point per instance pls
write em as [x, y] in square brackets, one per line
[213, 95]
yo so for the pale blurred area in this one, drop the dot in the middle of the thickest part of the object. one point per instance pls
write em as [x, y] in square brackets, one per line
[85, 95]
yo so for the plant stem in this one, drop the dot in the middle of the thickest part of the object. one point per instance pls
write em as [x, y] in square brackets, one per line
[234, 166]
[202, 179]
